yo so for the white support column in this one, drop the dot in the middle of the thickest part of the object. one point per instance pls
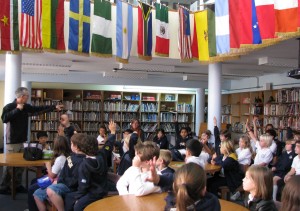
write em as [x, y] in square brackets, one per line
[13, 70]
[200, 105]
[27, 84]
[214, 94]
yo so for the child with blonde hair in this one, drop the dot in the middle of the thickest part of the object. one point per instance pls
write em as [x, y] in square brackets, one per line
[163, 161]
[264, 155]
[244, 152]
[258, 181]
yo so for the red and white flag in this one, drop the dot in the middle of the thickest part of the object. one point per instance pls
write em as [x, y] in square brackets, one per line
[31, 36]
[185, 43]
[286, 13]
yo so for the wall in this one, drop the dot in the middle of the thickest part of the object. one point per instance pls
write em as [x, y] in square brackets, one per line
[1, 106]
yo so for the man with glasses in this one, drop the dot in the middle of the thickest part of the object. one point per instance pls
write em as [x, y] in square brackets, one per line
[15, 115]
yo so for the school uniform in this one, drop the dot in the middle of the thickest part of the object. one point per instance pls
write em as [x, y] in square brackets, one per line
[167, 170]
[197, 160]
[283, 166]
[92, 183]
[257, 204]
[296, 164]
[217, 140]
[125, 163]
[263, 155]
[163, 142]
[244, 156]
[180, 142]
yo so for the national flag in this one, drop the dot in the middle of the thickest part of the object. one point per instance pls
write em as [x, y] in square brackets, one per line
[124, 31]
[184, 34]
[162, 30]
[206, 34]
[222, 26]
[79, 26]
[102, 28]
[144, 38]
[266, 18]
[53, 25]
[9, 28]
[234, 23]
[31, 36]
[195, 53]
[286, 14]
[256, 37]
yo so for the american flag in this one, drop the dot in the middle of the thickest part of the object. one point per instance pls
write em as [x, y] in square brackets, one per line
[184, 34]
[31, 36]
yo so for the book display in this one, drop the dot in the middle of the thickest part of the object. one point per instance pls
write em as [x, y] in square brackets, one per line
[89, 109]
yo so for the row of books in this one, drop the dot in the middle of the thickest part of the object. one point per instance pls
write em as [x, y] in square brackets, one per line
[91, 126]
[112, 116]
[149, 107]
[72, 105]
[42, 125]
[282, 122]
[117, 126]
[149, 127]
[91, 106]
[149, 117]
[281, 109]
[184, 107]
[226, 119]
[75, 116]
[226, 109]
[118, 106]
[91, 116]
[288, 95]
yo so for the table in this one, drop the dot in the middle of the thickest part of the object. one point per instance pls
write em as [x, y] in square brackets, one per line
[146, 203]
[16, 160]
[209, 168]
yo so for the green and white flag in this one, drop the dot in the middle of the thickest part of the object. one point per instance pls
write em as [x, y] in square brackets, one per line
[102, 29]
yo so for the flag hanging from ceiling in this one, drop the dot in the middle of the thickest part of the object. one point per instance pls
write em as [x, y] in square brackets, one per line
[185, 44]
[79, 26]
[124, 31]
[102, 29]
[286, 16]
[222, 26]
[162, 30]
[195, 42]
[234, 23]
[144, 38]
[206, 33]
[53, 25]
[266, 18]
[31, 36]
[9, 28]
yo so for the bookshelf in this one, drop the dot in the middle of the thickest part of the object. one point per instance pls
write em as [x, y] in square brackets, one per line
[91, 108]
[270, 106]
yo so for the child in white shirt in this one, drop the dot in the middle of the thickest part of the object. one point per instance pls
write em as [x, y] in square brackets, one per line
[264, 155]
[295, 170]
[244, 152]
[133, 180]
[193, 151]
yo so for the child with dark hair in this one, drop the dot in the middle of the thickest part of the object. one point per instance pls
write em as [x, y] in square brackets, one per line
[92, 178]
[190, 190]
[37, 196]
[193, 151]
[161, 139]
[133, 181]
[102, 135]
[290, 199]
[42, 138]
[258, 181]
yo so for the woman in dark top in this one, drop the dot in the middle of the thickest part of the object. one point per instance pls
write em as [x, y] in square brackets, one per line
[135, 126]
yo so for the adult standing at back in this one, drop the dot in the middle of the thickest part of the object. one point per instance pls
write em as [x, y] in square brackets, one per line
[15, 115]
[135, 126]
[66, 128]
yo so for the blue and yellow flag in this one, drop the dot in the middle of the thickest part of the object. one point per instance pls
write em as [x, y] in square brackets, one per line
[79, 28]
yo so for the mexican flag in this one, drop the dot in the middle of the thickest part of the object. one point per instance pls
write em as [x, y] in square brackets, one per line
[101, 29]
[53, 25]
[162, 30]
[9, 31]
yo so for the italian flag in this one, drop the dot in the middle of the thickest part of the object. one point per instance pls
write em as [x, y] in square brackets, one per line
[286, 14]
[53, 25]
[102, 28]
[9, 31]
[162, 30]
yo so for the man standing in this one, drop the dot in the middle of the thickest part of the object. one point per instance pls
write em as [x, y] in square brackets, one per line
[15, 115]
[66, 128]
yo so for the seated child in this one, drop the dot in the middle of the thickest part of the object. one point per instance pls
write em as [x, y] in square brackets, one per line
[263, 153]
[161, 139]
[220, 136]
[258, 181]
[102, 135]
[193, 151]
[207, 150]
[230, 175]
[126, 160]
[190, 190]
[92, 178]
[181, 137]
[36, 195]
[163, 161]
[68, 178]
[283, 166]
[42, 138]
[291, 195]
[133, 180]
[244, 152]
[295, 170]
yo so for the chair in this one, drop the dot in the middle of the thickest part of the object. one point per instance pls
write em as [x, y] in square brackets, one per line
[113, 179]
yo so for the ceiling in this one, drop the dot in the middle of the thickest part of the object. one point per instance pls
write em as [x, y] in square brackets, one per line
[274, 59]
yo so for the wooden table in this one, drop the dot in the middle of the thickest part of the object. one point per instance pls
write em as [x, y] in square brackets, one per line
[146, 203]
[16, 160]
[209, 168]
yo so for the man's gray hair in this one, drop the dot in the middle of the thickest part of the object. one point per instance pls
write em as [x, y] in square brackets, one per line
[21, 91]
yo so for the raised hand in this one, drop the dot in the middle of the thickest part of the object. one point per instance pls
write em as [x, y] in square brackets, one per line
[112, 127]
[153, 177]
[215, 121]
